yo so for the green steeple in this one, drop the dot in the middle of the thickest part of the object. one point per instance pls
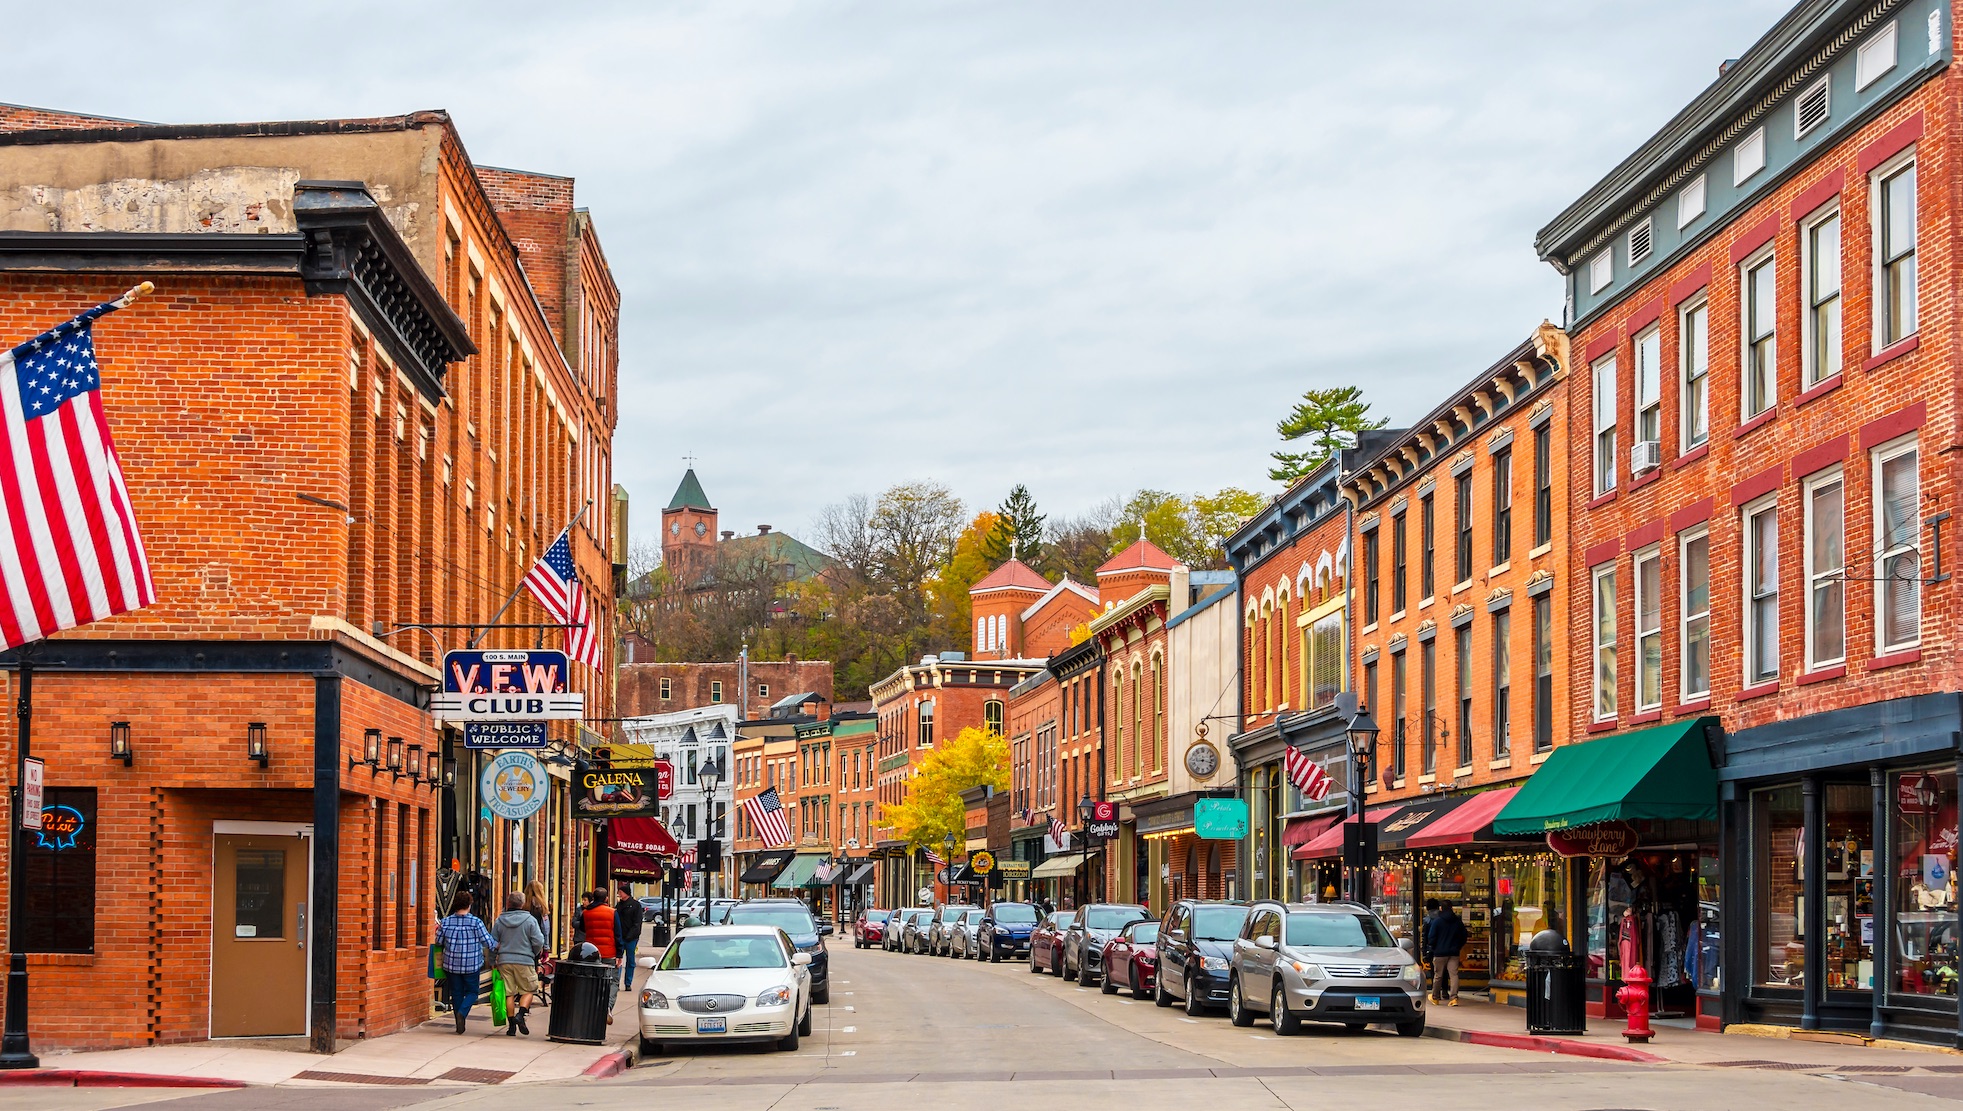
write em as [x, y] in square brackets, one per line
[689, 494]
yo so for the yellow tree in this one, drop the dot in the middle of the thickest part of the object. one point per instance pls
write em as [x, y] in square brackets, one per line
[932, 810]
[952, 611]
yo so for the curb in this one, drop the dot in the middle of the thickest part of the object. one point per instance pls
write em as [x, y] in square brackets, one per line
[93, 1078]
[613, 1064]
[1536, 1044]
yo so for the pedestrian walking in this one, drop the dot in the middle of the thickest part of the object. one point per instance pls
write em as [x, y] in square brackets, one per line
[627, 933]
[597, 920]
[520, 943]
[465, 941]
[1424, 943]
[1448, 938]
[540, 908]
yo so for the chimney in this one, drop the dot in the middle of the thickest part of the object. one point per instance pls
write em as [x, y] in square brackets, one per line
[763, 530]
[729, 534]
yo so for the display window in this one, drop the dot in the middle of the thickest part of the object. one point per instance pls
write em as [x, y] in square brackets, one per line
[1707, 942]
[1528, 894]
[1925, 936]
[1849, 887]
[1467, 885]
[1779, 950]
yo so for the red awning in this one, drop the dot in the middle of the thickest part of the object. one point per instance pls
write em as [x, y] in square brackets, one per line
[1330, 841]
[1301, 831]
[1465, 824]
[633, 866]
[641, 835]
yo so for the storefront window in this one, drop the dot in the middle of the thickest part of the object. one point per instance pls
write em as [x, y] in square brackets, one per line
[1707, 944]
[1850, 886]
[1528, 893]
[1925, 882]
[1468, 886]
[1779, 944]
[1390, 897]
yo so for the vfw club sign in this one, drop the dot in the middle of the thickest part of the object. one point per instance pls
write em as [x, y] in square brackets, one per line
[506, 686]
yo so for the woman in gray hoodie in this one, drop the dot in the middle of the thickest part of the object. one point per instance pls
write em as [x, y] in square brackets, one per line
[520, 944]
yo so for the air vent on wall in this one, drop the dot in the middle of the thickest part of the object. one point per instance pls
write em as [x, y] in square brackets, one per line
[1639, 242]
[1811, 111]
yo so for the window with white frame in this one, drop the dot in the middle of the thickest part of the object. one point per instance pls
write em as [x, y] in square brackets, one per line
[1604, 425]
[1648, 579]
[1759, 385]
[1820, 267]
[1694, 340]
[1894, 256]
[1826, 566]
[1762, 593]
[1898, 550]
[1600, 270]
[1875, 57]
[1604, 579]
[1690, 202]
[1748, 157]
[1649, 386]
[1694, 582]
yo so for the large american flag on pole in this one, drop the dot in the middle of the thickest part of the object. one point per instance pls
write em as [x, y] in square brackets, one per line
[70, 550]
[1307, 775]
[766, 813]
[554, 582]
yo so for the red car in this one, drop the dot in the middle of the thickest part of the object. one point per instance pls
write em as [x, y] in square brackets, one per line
[1132, 960]
[870, 928]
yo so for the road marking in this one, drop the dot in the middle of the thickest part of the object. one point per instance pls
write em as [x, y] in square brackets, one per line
[848, 1007]
[848, 1029]
[845, 993]
[849, 1053]
[1190, 1021]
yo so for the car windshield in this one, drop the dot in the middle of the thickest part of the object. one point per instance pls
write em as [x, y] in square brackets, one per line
[972, 918]
[1338, 931]
[1063, 918]
[1015, 914]
[791, 920]
[1218, 923]
[1112, 918]
[1145, 933]
[949, 914]
[878, 915]
[691, 954]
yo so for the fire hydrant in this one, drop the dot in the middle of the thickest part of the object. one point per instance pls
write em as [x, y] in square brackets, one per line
[1634, 997]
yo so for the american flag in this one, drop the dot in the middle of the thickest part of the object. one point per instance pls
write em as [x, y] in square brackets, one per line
[555, 584]
[933, 857]
[73, 553]
[1058, 833]
[1307, 775]
[687, 858]
[766, 813]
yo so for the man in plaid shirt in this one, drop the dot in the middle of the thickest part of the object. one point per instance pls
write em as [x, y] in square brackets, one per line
[464, 941]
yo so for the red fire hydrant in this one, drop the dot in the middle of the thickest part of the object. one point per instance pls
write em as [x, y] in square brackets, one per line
[1634, 997]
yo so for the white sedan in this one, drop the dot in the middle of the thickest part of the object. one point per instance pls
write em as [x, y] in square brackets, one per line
[726, 984]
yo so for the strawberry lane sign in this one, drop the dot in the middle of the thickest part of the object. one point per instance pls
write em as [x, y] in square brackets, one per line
[1605, 839]
[503, 685]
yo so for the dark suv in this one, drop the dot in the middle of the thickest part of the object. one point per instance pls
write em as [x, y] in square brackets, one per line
[1196, 951]
[1005, 931]
[792, 917]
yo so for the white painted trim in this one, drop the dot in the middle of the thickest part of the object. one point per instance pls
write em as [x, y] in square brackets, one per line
[273, 829]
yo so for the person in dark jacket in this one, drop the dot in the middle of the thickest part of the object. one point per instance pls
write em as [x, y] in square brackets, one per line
[627, 933]
[1447, 937]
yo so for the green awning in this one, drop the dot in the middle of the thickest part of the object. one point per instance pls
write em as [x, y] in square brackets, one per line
[1656, 774]
[799, 871]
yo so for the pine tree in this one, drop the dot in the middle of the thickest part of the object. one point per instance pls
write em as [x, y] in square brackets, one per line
[1331, 419]
[1018, 534]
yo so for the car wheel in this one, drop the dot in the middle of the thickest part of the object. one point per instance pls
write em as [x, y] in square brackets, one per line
[822, 995]
[1411, 1029]
[1068, 972]
[804, 1024]
[1140, 991]
[1236, 1013]
[1286, 1022]
[995, 956]
[788, 1043]
[1034, 968]
[650, 1049]
[1194, 1006]
[1159, 996]
[1107, 985]
[1056, 966]
[1353, 1027]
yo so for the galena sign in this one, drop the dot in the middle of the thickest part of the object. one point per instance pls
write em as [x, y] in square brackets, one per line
[503, 685]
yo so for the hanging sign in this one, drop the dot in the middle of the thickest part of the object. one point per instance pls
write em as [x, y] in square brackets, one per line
[981, 862]
[1918, 793]
[623, 792]
[483, 685]
[1220, 819]
[32, 774]
[504, 734]
[1605, 839]
[513, 785]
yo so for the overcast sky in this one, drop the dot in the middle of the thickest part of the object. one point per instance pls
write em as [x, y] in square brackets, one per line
[1086, 246]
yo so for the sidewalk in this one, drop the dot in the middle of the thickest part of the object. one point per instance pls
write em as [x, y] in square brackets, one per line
[432, 1053]
[1485, 1023]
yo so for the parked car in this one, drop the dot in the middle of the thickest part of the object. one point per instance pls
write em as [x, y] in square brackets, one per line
[964, 936]
[726, 984]
[1323, 962]
[1196, 950]
[869, 928]
[943, 927]
[1046, 942]
[896, 929]
[913, 936]
[790, 916]
[1130, 961]
[1005, 931]
[1095, 926]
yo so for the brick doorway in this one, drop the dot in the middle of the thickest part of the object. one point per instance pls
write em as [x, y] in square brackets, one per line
[262, 884]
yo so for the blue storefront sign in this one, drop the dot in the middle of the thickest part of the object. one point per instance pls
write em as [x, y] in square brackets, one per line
[504, 734]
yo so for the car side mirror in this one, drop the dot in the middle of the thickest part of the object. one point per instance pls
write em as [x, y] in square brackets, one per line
[1264, 942]
[824, 929]
[645, 962]
[1175, 935]
[800, 958]
[1407, 944]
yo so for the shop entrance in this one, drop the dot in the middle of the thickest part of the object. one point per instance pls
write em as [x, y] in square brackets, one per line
[262, 882]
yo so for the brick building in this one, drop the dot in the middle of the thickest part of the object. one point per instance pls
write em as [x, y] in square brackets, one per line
[352, 408]
[1763, 302]
[660, 688]
[1020, 615]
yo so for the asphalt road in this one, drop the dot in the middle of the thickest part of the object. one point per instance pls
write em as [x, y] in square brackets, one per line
[912, 1032]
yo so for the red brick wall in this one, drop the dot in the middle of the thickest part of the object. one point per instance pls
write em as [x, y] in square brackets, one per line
[639, 685]
[1267, 621]
[21, 117]
[536, 211]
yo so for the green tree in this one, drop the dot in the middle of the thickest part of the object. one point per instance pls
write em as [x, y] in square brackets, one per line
[1218, 516]
[932, 810]
[1165, 519]
[1018, 532]
[950, 623]
[1330, 419]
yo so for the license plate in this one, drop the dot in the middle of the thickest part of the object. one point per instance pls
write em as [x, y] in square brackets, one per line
[1369, 1003]
[717, 1025]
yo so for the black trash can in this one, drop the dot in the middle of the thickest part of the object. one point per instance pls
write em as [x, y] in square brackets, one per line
[580, 991]
[1556, 989]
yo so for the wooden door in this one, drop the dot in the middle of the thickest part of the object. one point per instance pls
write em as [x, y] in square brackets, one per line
[259, 910]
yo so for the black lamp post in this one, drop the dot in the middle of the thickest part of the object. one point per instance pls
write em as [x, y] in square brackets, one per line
[1362, 735]
[708, 775]
[1085, 808]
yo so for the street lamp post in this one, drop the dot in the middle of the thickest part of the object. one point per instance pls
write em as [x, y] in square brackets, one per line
[947, 869]
[1085, 808]
[708, 775]
[1362, 735]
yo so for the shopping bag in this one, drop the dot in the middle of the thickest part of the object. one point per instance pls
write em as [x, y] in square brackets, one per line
[499, 1013]
[436, 961]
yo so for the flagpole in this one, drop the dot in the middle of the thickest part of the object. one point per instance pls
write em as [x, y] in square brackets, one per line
[520, 588]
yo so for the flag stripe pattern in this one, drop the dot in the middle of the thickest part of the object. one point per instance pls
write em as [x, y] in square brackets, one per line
[933, 857]
[555, 583]
[1307, 775]
[72, 553]
[1058, 833]
[766, 813]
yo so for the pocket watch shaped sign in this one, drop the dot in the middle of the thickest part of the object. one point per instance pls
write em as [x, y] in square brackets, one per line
[513, 785]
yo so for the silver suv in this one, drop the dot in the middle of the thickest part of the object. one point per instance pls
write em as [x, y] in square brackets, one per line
[1323, 962]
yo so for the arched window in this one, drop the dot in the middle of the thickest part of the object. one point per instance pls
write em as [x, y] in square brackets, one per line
[1158, 713]
[1117, 722]
[1138, 726]
[992, 715]
[1280, 639]
[981, 634]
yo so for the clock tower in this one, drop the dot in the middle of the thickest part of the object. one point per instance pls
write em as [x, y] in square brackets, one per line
[688, 529]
